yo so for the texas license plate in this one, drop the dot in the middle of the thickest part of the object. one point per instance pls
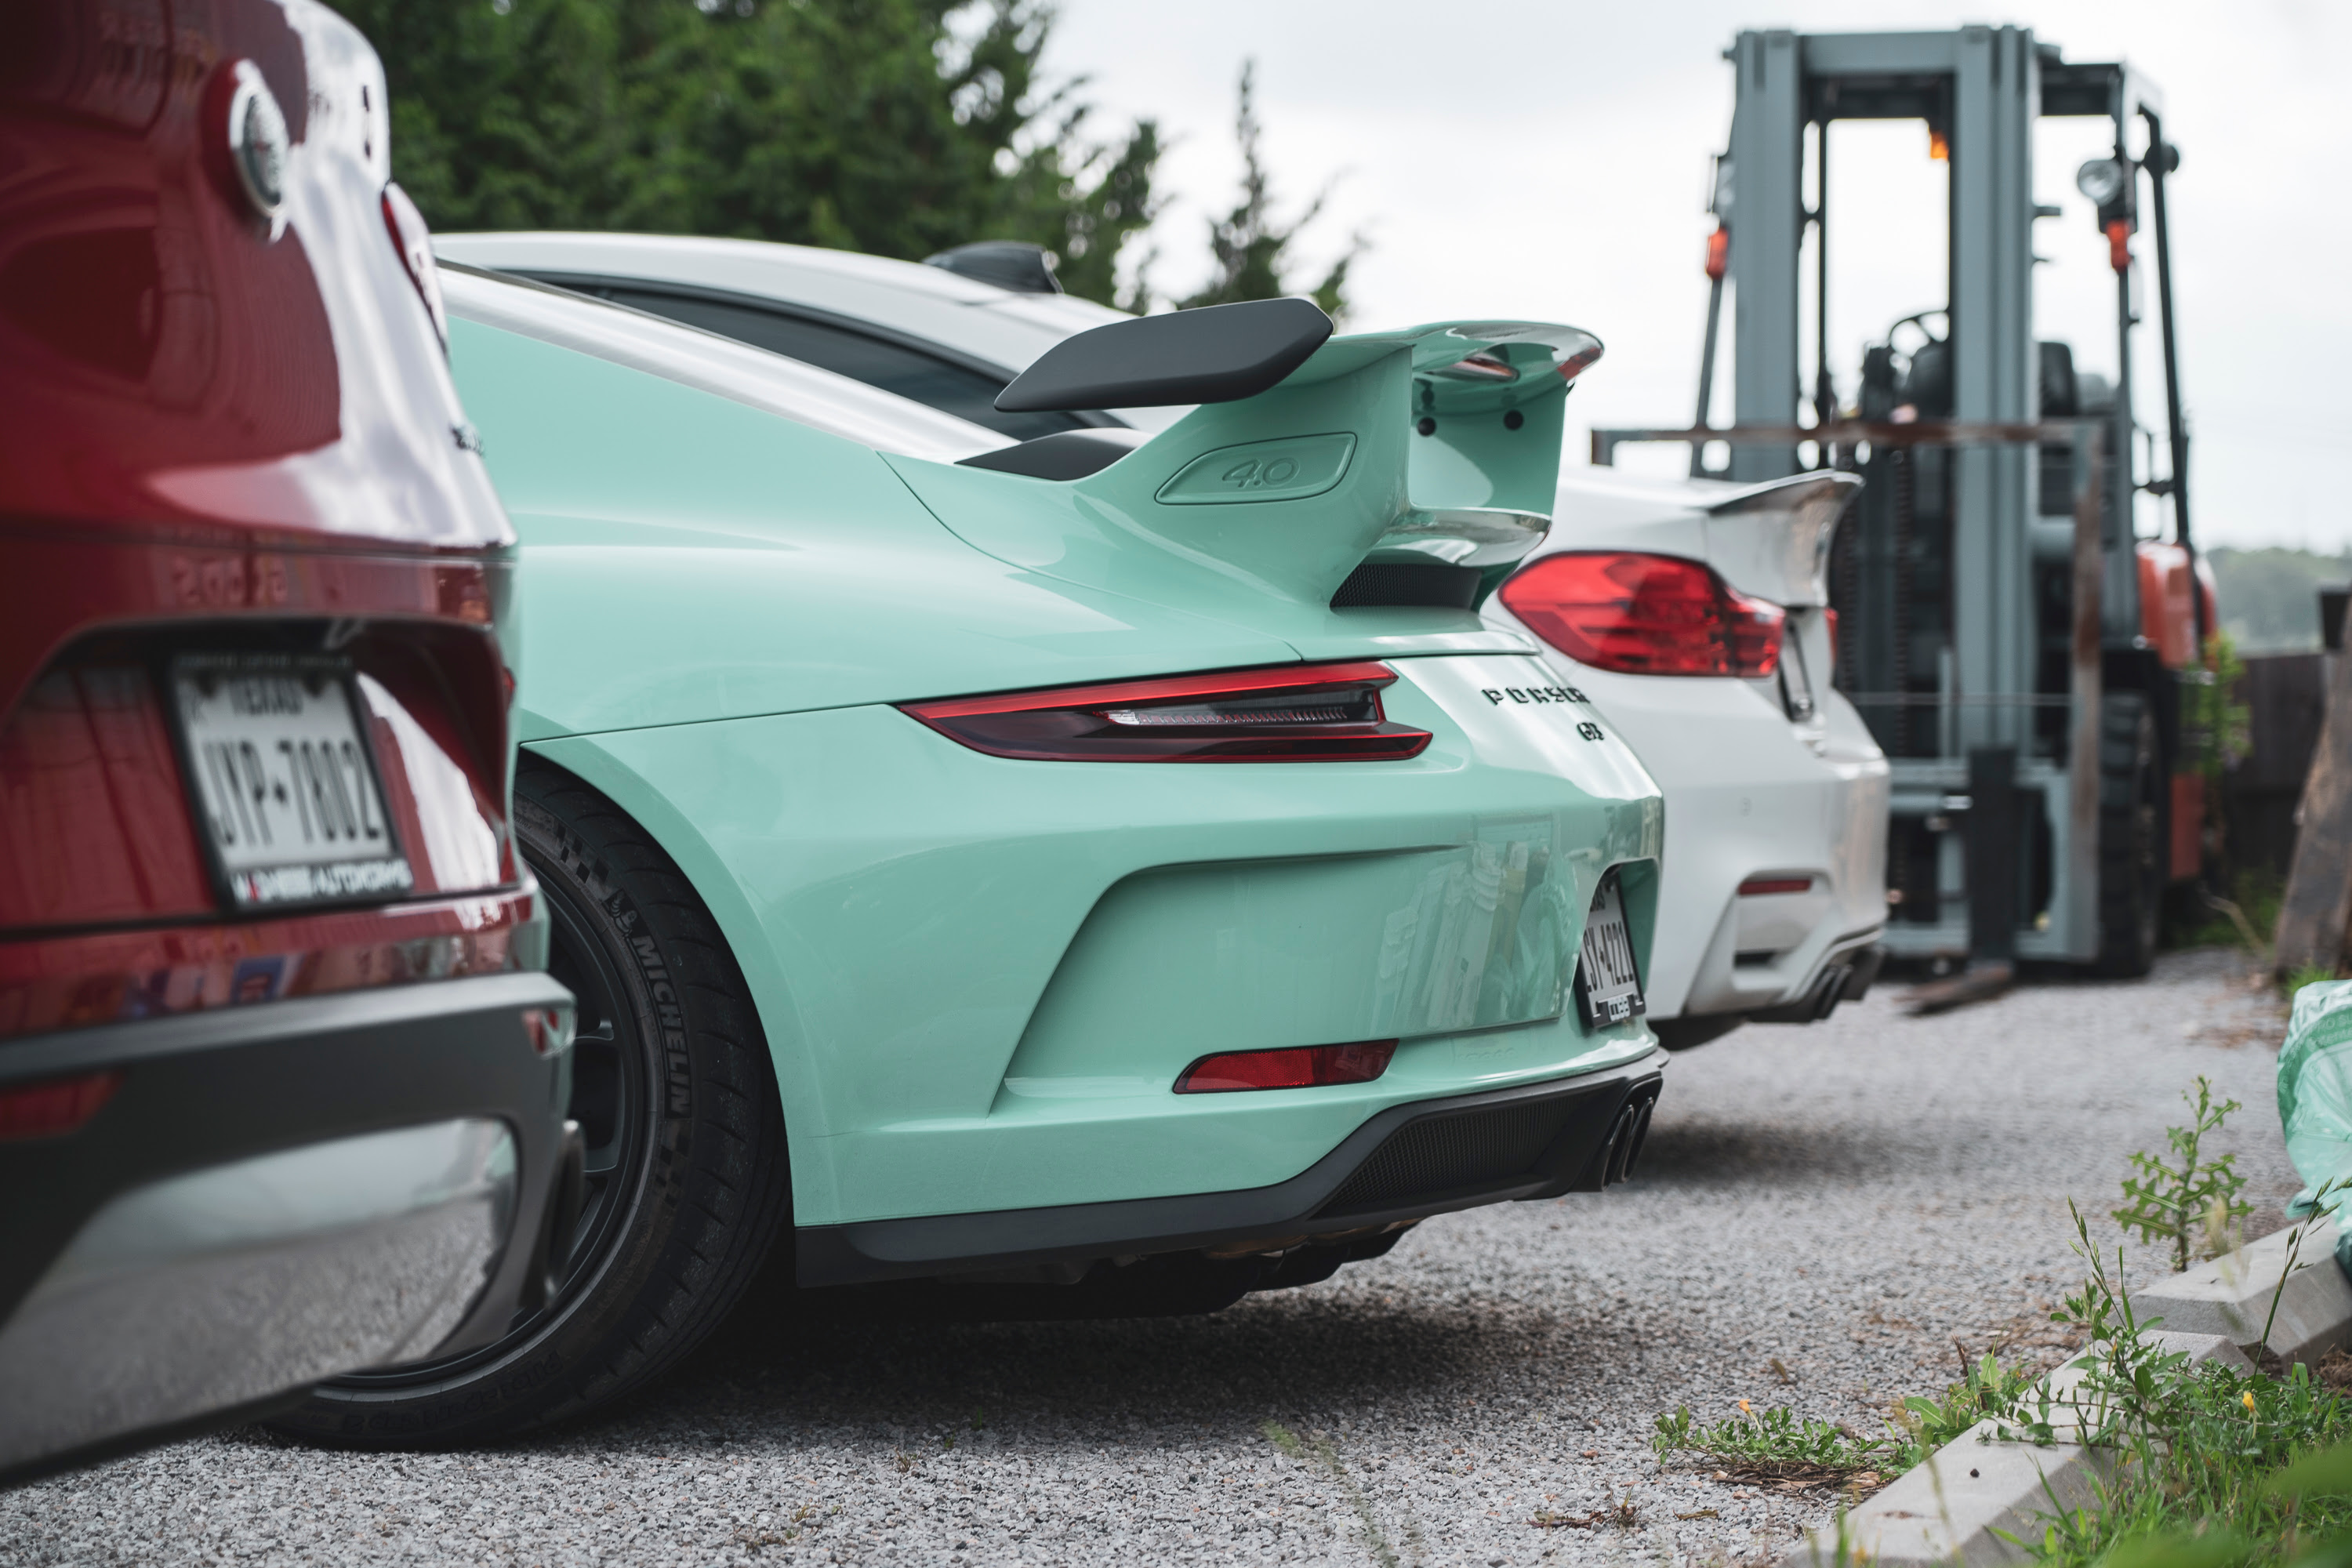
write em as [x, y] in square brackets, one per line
[285, 787]
[1608, 985]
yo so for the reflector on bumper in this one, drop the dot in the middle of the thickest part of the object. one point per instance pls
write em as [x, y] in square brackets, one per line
[1300, 1066]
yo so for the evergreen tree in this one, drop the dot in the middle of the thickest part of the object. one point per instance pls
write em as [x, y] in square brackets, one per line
[872, 125]
[1250, 248]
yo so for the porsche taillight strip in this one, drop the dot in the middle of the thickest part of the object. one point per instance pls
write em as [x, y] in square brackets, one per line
[1286, 714]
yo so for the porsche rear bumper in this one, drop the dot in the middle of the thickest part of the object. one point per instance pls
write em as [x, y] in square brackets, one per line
[1407, 1163]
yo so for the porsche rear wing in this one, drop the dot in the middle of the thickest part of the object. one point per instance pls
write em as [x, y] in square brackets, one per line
[1405, 469]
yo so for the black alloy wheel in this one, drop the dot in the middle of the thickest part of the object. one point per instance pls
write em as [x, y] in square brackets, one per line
[686, 1177]
[611, 1090]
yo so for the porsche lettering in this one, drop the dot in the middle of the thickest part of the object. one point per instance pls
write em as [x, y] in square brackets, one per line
[1501, 695]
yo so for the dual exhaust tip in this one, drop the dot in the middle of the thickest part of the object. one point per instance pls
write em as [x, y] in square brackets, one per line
[1623, 1152]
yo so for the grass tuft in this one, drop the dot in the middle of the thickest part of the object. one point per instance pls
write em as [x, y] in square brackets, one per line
[2212, 1468]
[1776, 1446]
[1779, 1445]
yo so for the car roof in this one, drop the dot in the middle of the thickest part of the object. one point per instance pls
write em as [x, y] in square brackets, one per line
[710, 363]
[998, 326]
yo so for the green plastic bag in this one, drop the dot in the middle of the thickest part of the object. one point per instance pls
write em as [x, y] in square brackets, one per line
[2315, 1100]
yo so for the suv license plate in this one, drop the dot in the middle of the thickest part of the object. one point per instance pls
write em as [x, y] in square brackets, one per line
[1608, 985]
[285, 791]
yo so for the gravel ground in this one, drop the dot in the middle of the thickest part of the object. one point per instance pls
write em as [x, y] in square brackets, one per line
[1821, 1212]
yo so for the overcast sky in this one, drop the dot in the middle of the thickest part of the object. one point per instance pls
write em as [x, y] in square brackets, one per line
[1549, 161]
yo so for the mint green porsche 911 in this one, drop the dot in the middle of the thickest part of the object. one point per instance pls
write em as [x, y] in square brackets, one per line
[1113, 866]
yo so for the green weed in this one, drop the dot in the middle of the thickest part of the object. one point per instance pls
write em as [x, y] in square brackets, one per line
[2234, 1467]
[1782, 1445]
[1988, 1391]
[2212, 1468]
[2169, 1203]
[2216, 1467]
[1320, 1452]
[2217, 729]
[1775, 1445]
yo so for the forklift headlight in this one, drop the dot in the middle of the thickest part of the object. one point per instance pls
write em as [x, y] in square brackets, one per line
[2101, 180]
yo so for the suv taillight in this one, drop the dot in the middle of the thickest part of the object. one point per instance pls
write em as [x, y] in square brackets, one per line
[94, 825]
[1645, 615]
[1291, 713]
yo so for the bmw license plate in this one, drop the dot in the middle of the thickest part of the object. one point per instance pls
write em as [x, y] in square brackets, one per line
[285, 785]
[1608, 985]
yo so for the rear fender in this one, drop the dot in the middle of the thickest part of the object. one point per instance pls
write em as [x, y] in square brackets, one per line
[645, 802]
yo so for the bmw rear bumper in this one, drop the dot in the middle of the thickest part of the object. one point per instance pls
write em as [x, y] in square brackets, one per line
[1751, 796]
[1407, 1163]
[271, 1196]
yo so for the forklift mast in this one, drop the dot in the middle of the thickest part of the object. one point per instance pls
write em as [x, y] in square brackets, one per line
[1955, 580]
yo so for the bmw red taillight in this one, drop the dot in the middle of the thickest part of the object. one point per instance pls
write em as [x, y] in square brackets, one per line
[1645, 615]
[1296, 1066]
[1291, 713]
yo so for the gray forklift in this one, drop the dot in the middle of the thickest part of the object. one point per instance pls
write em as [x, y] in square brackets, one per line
[2017, 652]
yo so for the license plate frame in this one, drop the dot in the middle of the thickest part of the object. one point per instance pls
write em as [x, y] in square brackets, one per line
[1608, 975]
[354, 854]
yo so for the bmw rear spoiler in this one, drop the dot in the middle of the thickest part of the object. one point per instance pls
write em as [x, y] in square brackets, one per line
[1773, 539]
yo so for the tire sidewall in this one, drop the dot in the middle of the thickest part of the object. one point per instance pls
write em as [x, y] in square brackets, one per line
[564, 1360]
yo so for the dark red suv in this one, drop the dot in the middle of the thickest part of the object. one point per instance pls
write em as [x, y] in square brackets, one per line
[281, 1076]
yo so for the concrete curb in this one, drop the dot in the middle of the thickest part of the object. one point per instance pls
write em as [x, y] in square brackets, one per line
[2232, 1296]
[1948, 1510]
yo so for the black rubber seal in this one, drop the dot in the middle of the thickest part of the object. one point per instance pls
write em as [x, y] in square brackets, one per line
[1063, 454]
